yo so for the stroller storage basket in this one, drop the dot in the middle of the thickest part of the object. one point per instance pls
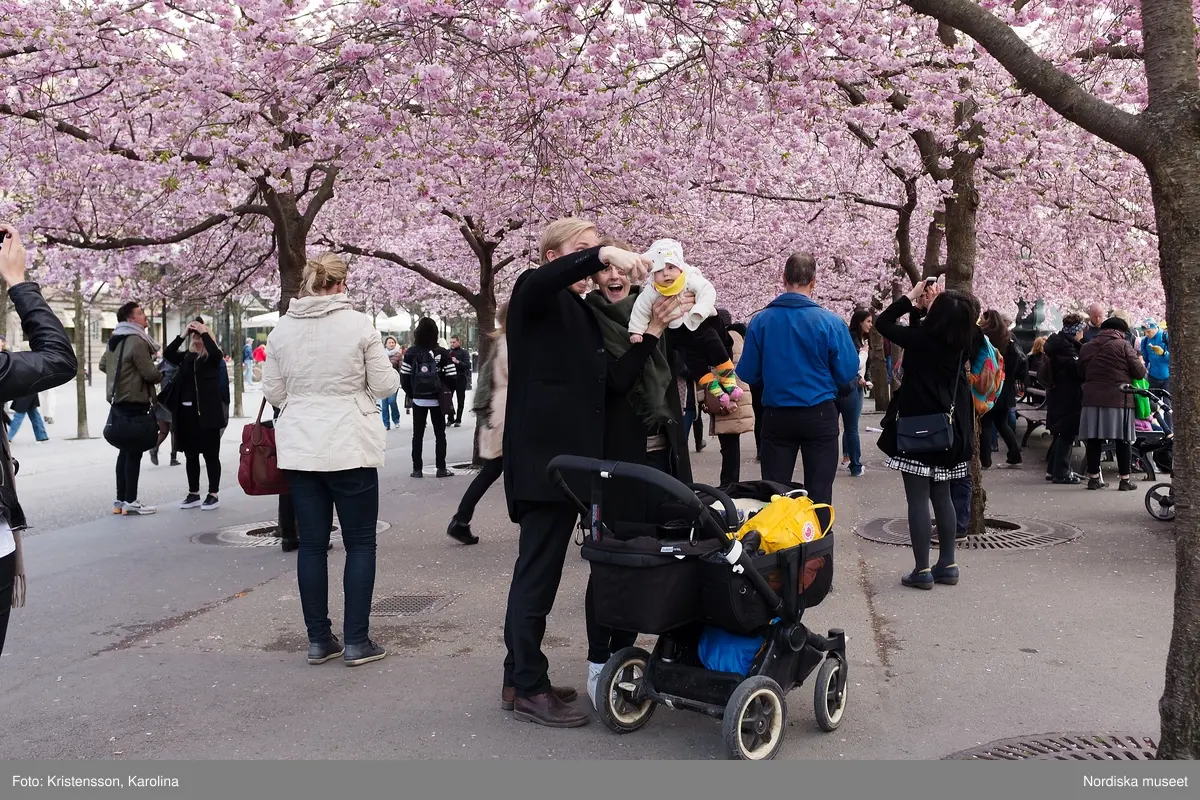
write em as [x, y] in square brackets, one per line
[800, 575]
[646, 584]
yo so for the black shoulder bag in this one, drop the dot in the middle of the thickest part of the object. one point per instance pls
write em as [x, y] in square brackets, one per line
[928, 434]
[127, 429]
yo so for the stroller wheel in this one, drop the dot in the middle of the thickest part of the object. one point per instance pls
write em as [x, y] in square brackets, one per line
[620, 700]
[828, 703]
[755, 720]
[1160, 502]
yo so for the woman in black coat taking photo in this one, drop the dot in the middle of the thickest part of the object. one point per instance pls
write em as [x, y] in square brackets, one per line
[939, 345]
[198, 399]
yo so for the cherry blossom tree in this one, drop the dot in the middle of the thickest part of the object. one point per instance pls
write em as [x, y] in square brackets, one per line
[1160, 37]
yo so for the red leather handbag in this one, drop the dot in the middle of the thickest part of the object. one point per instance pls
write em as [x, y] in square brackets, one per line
[258, 466]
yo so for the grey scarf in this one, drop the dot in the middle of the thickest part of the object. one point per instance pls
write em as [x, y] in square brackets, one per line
[129, 329]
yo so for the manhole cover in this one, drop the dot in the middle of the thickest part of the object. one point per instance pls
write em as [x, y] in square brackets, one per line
[1000, 534]
[1064, 747]
[403, 605]
[260, 534]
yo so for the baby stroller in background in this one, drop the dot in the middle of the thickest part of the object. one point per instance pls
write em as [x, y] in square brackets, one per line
[1156, 448]
[684, 572]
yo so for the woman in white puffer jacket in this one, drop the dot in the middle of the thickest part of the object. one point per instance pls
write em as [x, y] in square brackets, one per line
[326, 366]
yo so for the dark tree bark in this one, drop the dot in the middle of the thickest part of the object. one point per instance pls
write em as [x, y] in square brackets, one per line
[1166, 138]
[81, 416]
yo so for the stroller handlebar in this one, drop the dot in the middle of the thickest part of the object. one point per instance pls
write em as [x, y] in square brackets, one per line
[675, 489]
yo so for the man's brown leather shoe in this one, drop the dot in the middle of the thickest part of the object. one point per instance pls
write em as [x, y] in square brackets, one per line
[546, 709]
[508, 695]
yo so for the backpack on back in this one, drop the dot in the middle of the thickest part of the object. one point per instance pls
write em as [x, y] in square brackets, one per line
[426, 376]
[987, 378]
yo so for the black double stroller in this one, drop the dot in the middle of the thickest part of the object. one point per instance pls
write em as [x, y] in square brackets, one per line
[1156, 448]
[682, 577]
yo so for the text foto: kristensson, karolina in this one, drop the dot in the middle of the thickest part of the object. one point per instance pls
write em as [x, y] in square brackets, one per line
[75, 782]
[1126, 781]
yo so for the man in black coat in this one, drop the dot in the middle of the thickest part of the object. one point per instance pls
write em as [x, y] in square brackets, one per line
[462, 377]
[557, 369]
[50, 363]
[1064, 395]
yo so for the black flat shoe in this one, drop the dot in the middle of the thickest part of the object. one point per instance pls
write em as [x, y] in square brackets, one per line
[290, 545]
[461, 533]
[416, 473]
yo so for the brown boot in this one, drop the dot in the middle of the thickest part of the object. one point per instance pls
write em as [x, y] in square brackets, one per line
[508, 695]
[546, 709]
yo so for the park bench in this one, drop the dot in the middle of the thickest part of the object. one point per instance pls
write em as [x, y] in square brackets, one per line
[1033, 410]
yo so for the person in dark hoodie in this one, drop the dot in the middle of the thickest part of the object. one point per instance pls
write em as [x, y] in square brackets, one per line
[804, 358]
[128, 361]
[1059, 373]
[426, 372]
[50, 362]
[197, 399]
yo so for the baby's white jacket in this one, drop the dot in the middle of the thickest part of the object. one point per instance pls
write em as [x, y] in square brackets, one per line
[706, 303]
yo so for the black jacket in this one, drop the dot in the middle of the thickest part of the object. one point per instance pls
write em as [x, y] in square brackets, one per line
[934, 380]
[1064, 400]
[204, 377]
[51, 363]
[1016, 371]
[447, 372]
[557, 368]
[23, 405]
[625, 435]
[462, 367]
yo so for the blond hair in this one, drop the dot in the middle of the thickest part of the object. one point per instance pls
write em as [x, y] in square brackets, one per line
[613, 241]
[562, 232]
[322, 272]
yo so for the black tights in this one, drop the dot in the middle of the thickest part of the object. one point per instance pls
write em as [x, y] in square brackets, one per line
[212, 462]
[919, 491]
[1123, 452]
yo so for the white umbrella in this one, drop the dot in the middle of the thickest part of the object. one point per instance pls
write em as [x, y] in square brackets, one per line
[263, 321]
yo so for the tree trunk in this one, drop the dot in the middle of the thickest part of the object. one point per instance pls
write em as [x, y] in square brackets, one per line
[485, 329]
[880, 391]
[4, 307]
[81, 416]
[237, 341]
[1175, 184]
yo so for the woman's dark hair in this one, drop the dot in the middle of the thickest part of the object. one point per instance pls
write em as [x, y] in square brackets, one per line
[725, 318]
[859, 316]
[426, 334]
[951, 319]
[996, 329]
[1071, 320]
[1115, 324]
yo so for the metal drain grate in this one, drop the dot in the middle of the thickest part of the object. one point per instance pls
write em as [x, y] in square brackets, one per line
[1000, 534]
[260, 534]
[1064, 747]
[403, 605]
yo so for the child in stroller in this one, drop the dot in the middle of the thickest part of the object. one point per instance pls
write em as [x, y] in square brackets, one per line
[687, 575]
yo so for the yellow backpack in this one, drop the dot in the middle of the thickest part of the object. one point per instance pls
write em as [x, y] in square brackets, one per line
[787, 522]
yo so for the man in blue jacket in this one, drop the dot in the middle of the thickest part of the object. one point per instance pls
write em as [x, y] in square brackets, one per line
[802, 355]
[1156, 352]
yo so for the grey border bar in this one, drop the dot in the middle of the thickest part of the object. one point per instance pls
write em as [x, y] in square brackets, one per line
[558, 780]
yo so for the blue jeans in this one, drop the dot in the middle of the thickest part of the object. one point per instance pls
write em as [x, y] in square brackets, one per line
[386, 404]
[35, 418]
[851, 409]
[355, 494]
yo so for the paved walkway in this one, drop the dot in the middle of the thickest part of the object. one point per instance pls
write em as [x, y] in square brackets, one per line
[139, 642]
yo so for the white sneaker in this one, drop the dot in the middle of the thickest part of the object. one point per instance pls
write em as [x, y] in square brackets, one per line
[136, 509]
[592, 681]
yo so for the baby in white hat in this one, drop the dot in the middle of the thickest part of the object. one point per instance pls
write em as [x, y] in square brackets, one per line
[698, 333]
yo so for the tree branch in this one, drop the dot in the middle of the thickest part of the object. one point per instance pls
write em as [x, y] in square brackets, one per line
[1053, 86]
[425, 272]
[324, 195]
[119, 243]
